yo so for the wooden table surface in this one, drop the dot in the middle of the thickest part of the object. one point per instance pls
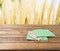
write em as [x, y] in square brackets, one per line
[13, 37]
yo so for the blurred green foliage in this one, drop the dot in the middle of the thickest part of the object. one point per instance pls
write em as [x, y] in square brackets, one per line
[1, 1]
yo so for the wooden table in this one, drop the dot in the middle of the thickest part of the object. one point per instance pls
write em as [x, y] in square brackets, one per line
[13, 37]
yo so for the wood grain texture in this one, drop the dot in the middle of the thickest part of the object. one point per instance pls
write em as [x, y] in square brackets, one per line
[13, 37]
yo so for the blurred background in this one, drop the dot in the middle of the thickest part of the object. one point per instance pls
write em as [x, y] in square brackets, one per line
[36, 12]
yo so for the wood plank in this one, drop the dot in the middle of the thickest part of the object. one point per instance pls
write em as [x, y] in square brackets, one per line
[14, 37]
[23, 40]
[24, 31]
[29, 26]
[29, 46]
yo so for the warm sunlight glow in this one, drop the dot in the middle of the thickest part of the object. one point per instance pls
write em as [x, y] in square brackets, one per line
[43, 12]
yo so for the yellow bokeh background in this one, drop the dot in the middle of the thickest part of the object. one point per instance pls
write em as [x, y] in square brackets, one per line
[41, 12]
